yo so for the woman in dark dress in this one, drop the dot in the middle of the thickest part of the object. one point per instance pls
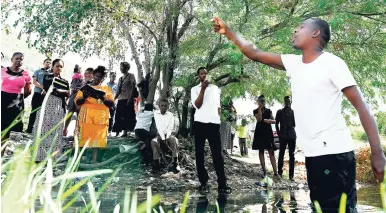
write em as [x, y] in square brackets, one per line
[263, 138]
[125, 118]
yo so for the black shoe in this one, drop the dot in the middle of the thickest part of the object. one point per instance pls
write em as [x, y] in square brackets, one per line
[224, 190]
[203, 189]
[292, 180]
[156, 167]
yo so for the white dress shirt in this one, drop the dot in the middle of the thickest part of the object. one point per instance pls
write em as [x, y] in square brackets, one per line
[144, 120]
[164, 124]
[208, 112]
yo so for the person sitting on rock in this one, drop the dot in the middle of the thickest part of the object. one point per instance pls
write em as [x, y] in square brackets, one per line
[143, 131]
[164, 121]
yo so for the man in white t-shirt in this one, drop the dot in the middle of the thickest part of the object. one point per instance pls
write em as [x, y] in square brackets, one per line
[317, 81]
[206, 100]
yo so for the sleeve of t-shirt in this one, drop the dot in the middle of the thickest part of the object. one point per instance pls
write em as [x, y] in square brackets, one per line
[36, 73]
[340, 74]
[290, 62]
[219, 98]
[193, 96]
[27, 77]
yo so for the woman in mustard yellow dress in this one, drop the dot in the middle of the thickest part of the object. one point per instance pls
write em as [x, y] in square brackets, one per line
[93, 119]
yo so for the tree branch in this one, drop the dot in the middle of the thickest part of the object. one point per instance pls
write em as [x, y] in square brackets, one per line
[148, 28]
[185, 26]
[217, 63]
[212, 53]
[267, 31]
[222, 77]
[367, 14]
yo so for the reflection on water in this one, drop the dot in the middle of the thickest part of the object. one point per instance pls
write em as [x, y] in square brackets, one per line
[261, 201]
[265, 201]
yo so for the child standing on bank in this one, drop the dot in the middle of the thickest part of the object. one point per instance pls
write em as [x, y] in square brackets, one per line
[242, 133]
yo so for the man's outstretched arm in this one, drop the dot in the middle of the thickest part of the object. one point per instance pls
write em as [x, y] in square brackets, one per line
[246, 47]
[378, 160]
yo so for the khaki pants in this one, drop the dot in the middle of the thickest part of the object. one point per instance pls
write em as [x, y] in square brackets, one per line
[171, 143]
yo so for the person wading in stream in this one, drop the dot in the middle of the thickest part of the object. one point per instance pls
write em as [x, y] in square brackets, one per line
[206, 100]
[318, 79]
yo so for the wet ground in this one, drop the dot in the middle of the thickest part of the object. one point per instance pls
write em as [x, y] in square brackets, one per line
[261, 201]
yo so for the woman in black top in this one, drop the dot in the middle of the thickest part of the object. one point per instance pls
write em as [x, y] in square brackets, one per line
[263, 138]
[53, 114]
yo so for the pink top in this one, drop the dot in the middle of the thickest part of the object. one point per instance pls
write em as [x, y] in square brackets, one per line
[14, 82]
[77, 76]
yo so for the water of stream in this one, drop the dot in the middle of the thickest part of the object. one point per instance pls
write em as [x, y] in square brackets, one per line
[262, 201]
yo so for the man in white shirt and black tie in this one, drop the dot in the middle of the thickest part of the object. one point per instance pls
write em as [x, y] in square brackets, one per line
[206, 100]
[164, 121]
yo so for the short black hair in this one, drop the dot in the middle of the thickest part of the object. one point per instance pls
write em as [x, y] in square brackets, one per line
[47, 59]
[126, 65]
[199, 69]
[287, 97]
[261, 96]
[113, 73]
[100, 69]
[90, 69]
[56, 61]
[149, 107]
[324, 29]
[76, 68]
[17, 53]
[164, 100]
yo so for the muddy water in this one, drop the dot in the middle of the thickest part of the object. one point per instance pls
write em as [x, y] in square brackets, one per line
[262, 201]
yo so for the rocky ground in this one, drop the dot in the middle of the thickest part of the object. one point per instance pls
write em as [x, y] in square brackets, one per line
[242, 172]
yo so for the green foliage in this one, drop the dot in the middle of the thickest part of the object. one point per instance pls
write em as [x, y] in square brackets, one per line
[381, 121]
[95, 27]
[360, 136]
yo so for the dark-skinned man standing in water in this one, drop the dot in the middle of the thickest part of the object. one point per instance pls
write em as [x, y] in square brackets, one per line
[318, 81]
[206, 100]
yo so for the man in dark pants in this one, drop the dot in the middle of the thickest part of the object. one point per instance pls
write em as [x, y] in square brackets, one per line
[39, 92]
[206, 100]
[318, 82]
[285, 128]
[144, 131]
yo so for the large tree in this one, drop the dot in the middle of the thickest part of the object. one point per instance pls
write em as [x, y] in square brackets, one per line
[358, 36]
[150, 29]
[175, 37]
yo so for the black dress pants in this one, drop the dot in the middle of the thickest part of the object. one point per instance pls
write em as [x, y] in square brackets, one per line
[210, 132]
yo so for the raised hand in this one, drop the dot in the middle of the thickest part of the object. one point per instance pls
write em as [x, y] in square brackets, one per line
[219, 25]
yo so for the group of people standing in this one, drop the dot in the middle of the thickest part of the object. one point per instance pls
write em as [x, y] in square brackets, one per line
[94, 115]
[263, 139]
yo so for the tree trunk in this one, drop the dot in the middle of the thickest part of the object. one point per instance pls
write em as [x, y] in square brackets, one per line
[184, 130]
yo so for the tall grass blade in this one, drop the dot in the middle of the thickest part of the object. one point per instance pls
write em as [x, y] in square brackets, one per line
[141, 208]
[134, 200]
[185, 203]
[117, 209]
[317, 207]
[126, 201]
[343, 202]
[148, 200]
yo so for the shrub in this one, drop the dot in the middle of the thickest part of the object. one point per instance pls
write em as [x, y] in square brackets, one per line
[360, 135]
[364, 170]
[381, 122]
